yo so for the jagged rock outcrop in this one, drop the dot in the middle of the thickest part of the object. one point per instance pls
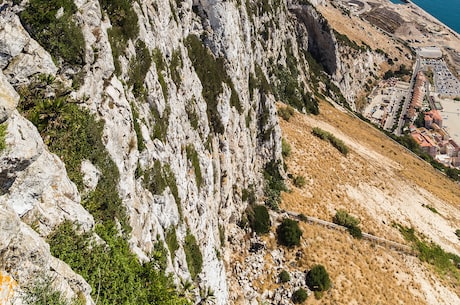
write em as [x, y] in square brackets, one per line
[20, 56]
[26, 257]
[34, 181]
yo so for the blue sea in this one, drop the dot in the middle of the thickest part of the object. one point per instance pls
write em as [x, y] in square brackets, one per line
[446, 11]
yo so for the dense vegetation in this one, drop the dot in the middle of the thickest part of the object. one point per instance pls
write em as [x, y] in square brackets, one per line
[43, 293]
[286, 112]
[289, 90]
[112, 270]
[193, 255]
[274, 184]
[289, 233]
[259, 219]
[401, 72]
[139, 65]
[60, 35]
[124, 26]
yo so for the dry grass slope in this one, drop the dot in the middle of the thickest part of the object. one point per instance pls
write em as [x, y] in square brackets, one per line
[380, 183]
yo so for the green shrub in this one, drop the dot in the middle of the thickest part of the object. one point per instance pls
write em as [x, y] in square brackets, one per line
[355, 232]
[289, 233]
[284, 276]
[327, 136]
[317, 279]
[285, 148]
[160, 66]
[171, 240]
[249, 195]
[192, 115]
[259, 219]
[299, 296]
[175, 67]
[137, 128]
[60, 36]
[274, 184]
[342, 218]
[286, 112]
[3, 128]
[299, 181]
[457, 232]
[302, 217]
[158, 178]
[124, 27]
[160, 123]
[192, 156]
[193, 255]
[75, 135]
[431, 208]
[139, 65]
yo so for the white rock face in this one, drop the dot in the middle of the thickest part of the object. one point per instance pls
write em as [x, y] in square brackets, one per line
[8, 98]
[90, 175]
[21, 56]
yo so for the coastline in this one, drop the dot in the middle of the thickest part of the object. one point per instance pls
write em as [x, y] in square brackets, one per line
[416, 7]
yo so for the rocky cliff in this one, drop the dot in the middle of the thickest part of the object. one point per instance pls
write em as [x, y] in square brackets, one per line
[155, 116]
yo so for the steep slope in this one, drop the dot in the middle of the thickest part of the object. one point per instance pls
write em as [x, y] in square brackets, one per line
[382, 184]
[153, 123]
[379, 183]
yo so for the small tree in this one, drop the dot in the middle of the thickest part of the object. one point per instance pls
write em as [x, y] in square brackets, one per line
[299, 296]
[318, 279]
[289, 233]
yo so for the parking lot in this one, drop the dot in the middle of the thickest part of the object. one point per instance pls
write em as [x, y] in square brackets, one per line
[446, 84]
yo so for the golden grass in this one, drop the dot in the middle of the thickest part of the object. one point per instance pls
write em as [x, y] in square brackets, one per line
[361, 273]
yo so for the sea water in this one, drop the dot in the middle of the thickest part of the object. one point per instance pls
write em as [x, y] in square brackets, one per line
[446, 11]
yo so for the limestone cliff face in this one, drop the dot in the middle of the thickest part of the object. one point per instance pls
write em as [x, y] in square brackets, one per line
[214, 144]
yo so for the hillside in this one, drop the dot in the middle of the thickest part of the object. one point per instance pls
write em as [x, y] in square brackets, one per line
[380, 183]
[143, 159]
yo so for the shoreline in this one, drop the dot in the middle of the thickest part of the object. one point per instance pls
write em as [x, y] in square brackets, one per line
[415, 6]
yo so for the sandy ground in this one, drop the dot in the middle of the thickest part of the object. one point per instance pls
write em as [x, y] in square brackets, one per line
[380, 183]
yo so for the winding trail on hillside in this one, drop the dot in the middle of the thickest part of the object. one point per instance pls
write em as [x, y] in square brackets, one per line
[392, 245]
